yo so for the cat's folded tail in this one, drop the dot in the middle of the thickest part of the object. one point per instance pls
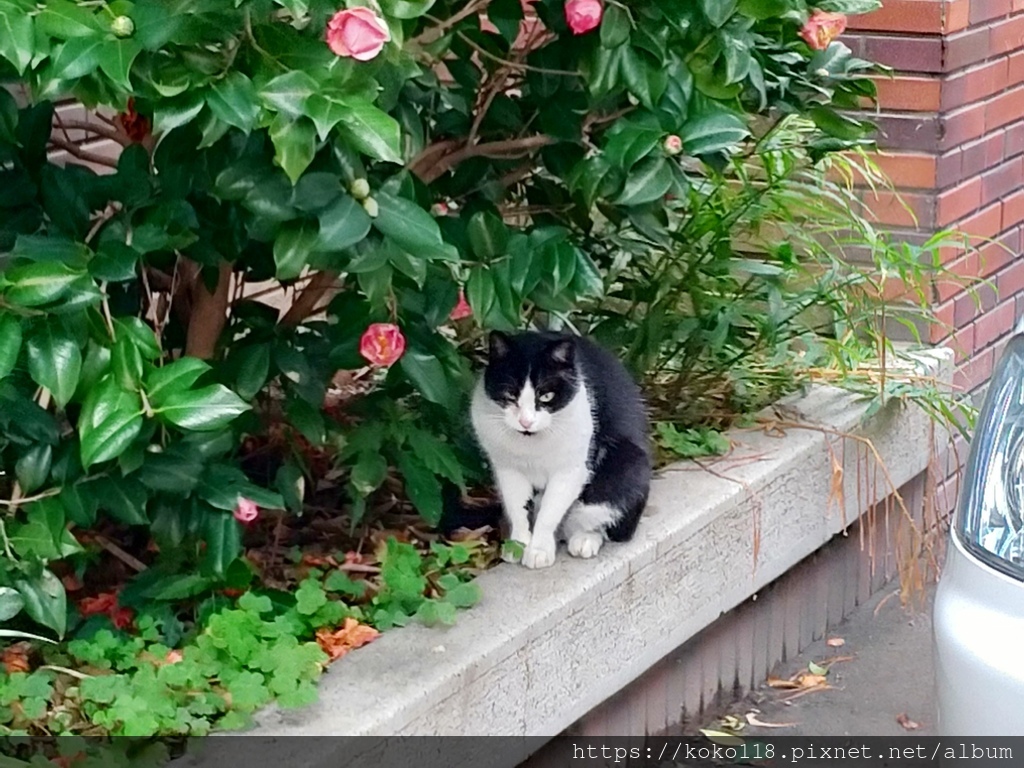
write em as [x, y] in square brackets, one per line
[461, 512]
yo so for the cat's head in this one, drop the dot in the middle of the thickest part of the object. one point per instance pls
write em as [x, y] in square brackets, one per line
[531, 377]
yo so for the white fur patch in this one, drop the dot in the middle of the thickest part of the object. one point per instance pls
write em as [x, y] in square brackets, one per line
[585, 544]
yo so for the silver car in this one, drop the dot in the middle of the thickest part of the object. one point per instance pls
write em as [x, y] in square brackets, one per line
[979, 604]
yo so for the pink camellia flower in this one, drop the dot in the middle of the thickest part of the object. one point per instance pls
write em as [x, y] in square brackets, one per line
[583, 15]
[246, 511]
[382, 344]
[462, 309]
[822, 28]
[357, 33]
[673, 145]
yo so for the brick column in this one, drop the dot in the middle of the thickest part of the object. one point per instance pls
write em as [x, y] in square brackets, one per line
[952, 125]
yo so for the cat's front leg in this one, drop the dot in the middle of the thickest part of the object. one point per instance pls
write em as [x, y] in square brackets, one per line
[562, 490]
[516, 492]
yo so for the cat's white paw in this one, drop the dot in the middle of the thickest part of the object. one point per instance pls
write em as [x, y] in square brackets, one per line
[585, 544]
[513, 548]
[540, 554]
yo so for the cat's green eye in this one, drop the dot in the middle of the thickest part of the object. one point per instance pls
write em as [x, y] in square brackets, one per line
[547, 397]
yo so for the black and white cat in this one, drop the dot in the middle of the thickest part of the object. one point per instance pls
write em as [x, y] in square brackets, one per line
[564, 427]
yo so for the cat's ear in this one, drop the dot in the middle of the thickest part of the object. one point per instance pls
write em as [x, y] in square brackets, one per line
[563, 352]
[499, 345]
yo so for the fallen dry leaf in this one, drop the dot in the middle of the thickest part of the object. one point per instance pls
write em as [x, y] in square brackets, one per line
[803, 692]
[835, 642]
[754, 720]
[15, 658]
[906, 722]
[351, 635]
[778, 682]
[809, 680]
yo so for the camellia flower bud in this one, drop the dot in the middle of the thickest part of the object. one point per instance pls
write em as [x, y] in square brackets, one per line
[122, 26]
[357, 33]
[360, 189]
[822, 28]
[382, 344]
[246, 511]
[371, 207]
[439, 209]
[462, 309]
[583, 15]
[673, 145]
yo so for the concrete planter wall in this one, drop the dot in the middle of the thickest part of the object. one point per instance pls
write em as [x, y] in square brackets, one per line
[545, 647]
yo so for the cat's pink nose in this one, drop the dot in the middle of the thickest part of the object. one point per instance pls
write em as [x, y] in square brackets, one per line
[525, 422]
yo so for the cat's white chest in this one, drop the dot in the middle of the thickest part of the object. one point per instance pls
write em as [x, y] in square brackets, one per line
[563, 446]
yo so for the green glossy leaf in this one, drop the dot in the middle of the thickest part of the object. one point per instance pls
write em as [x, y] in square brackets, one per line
[45, 600]
[713, 133]
[718, 11]
[422, 487]
[294, 144]
[343, 224]
[480, 291]
[17, 38]
[292, 249]
[173, 378]
[33, 467]
[615, 26]
[110, 420]
[370, 130]
[65, 19]
[427, 373]
[411, 227]
[126, 363]
[124, 498]
[33, 285]
[11, 603]
[251, 364]
[233, 100]
[141, 335]
[54, 361]
[202, 410]
[77, 57]
[368, 473]
[115, 59]
[10, 343]
[488, 235]
[287, 93]
[650, 180]
[169, 114]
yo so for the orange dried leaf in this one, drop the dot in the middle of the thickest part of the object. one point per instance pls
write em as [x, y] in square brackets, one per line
[105, 602]
[351, 635]
[15, 658]
[778, 682]
[809, 680]
[835, 642]
[906, 722]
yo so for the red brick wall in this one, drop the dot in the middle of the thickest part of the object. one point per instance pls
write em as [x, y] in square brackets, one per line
[952, 127]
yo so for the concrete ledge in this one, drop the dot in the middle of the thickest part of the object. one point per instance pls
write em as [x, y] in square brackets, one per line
[545, 647]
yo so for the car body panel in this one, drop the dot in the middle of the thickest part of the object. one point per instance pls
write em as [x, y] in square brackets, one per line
[978, 633]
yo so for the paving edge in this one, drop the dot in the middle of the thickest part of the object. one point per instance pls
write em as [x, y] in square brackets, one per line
[545, 647]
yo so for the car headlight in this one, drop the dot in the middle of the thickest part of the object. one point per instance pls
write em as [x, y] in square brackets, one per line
[990, 516]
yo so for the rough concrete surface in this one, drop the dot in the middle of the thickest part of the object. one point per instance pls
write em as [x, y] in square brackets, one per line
[890, 675]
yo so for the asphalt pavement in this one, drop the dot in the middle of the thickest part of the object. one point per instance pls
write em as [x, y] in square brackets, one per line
[881, 685]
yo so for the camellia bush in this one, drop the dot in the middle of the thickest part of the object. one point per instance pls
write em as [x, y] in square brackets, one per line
[278, 283]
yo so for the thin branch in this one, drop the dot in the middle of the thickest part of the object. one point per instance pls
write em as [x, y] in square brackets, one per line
[307, 301]
[507, 149]
[82, 154]
[433, 33]
[516, 64]
[99, 130]
[130, 560]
